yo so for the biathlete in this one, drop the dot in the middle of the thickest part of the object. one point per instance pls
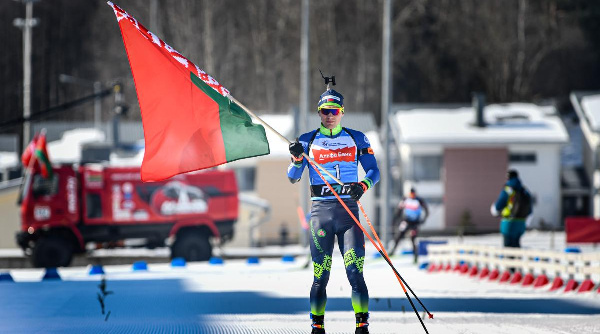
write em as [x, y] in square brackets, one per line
[339, 150]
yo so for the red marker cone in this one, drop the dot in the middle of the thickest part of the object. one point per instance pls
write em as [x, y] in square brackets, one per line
[484, 273]
[540, 281]
[505, 276]
[557, 283]
[571, 285]
[517, 277]
[586, 285]
[528, 279]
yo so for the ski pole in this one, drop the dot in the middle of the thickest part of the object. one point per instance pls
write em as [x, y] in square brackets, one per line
[383, 249]
[374, 244]
[375, 234]
[302, 218]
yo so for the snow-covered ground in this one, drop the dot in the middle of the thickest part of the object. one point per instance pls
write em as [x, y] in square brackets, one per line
[272, 297]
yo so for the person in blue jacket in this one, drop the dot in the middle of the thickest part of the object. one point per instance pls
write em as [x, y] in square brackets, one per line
[512, 225]
[339, 150]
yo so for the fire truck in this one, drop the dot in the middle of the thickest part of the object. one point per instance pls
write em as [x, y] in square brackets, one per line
[99, 205]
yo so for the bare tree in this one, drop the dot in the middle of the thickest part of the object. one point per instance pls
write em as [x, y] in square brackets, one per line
[442, 49]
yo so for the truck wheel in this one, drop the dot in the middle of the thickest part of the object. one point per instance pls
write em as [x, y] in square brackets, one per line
[192, 247]
[52, 251]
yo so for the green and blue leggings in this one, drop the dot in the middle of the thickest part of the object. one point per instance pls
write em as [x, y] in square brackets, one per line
[330, 219]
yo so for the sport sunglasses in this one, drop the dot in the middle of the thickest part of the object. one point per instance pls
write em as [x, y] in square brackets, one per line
[327, 111]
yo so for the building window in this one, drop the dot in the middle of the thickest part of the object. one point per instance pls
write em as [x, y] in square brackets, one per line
[527, 158]
[427, 167]
[245, 178]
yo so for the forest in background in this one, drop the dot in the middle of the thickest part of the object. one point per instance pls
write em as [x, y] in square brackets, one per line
[443, 50]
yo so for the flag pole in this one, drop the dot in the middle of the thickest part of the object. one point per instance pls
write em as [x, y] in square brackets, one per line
[29, 167]
[282, 137]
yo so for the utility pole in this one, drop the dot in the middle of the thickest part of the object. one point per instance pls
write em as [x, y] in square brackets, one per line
[386, 75]
[154, 17]
[304, 97]
[25, 25]
[120, 110]
[97, 105]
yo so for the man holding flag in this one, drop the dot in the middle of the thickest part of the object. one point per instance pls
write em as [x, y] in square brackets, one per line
[191, 122]
[339, 150]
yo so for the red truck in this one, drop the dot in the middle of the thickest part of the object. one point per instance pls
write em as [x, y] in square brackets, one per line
[107, 205]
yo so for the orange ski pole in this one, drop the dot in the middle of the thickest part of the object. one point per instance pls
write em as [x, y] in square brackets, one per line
[383, 249]
[374, 244]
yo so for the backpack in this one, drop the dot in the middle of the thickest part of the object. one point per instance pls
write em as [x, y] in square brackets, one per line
[521, 204]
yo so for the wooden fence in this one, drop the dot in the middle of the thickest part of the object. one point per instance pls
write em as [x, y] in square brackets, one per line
[527, 267]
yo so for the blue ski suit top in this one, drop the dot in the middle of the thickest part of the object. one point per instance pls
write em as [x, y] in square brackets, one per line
[339, 151]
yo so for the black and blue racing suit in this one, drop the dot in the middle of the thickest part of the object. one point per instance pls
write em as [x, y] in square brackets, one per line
[339, 151]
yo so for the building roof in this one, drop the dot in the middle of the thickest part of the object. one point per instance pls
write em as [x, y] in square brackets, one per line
[505, 124]
[68, 148]
[8, 160]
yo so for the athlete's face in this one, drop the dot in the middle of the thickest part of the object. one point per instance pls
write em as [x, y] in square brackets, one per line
[330, 118]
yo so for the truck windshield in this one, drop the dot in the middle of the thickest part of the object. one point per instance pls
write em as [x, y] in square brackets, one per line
[44, 186]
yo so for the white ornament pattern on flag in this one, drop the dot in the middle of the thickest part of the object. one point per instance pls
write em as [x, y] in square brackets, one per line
[186, 63]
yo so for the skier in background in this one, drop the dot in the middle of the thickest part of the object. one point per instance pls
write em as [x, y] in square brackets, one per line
[412, 211]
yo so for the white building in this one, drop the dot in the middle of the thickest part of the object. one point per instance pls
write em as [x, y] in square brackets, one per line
[459, 167]
[587, 107]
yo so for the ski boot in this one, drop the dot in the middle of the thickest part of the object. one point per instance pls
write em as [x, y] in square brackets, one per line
[362, 325]
[318, 326]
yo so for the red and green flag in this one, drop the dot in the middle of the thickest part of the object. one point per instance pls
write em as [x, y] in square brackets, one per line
[189, 123]
[41, 154]
[36, 156]
[29, 152]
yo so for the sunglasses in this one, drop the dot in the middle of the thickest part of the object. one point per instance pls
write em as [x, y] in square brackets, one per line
[333, 111]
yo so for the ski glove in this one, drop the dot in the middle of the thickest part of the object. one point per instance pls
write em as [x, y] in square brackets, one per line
[296, 149]
[357, 189]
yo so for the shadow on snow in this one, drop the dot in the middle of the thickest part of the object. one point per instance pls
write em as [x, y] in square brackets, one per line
[170, 298]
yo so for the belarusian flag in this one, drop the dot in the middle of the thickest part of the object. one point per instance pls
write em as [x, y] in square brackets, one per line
[41, 154]
[29, 152]
[189, 123]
